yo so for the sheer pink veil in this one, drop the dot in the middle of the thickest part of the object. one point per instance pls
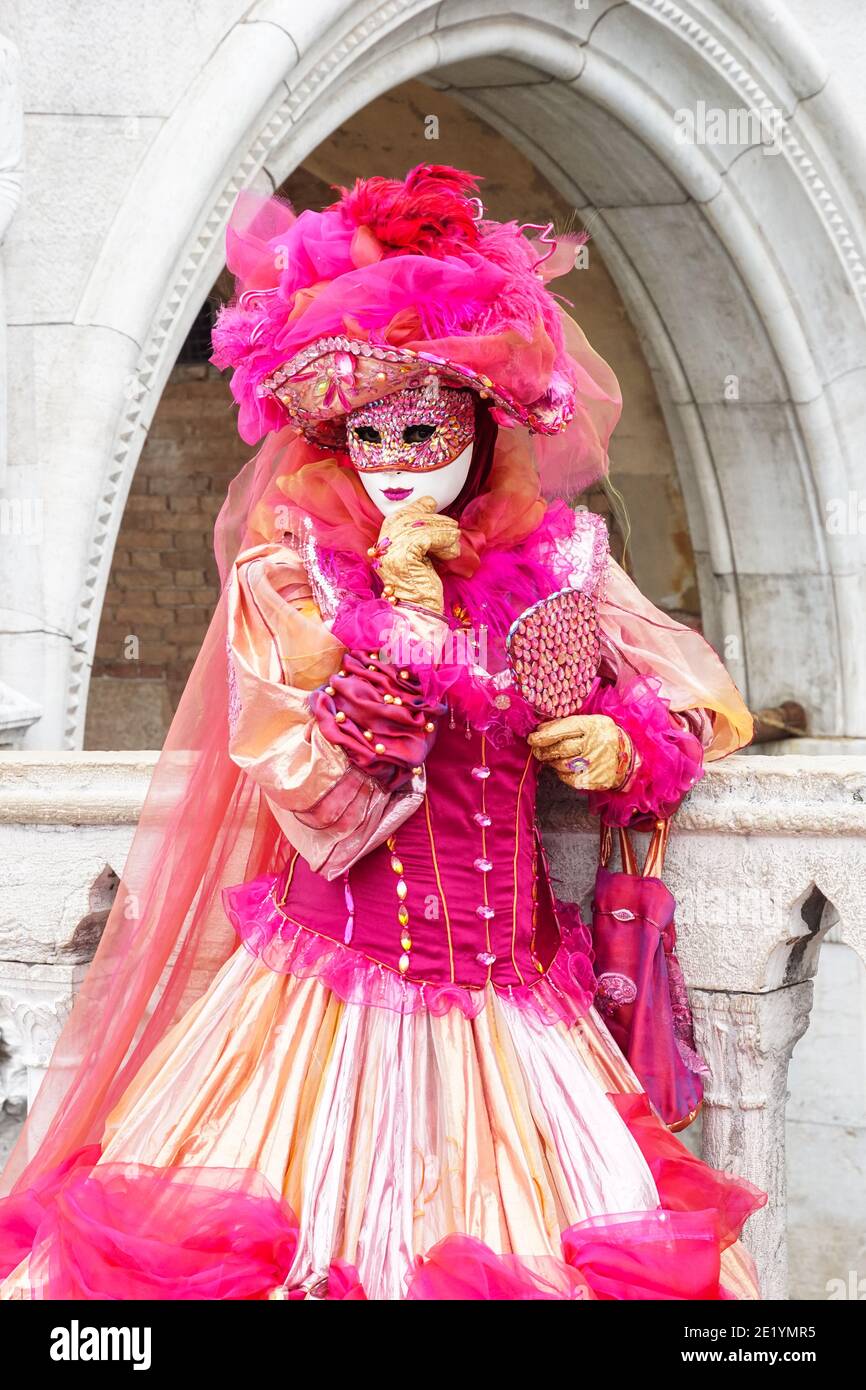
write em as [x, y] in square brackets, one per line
[201, 828]
[568, 462]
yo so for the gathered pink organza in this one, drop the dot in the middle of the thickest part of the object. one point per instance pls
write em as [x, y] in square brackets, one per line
[22, 1214]
[685, 1183]
[119, 1231]
[656, 1255]
[128, 1231]
[343, 1284]
[563, 995]
[629, 1256]
[461, 1268]
[125, 1231]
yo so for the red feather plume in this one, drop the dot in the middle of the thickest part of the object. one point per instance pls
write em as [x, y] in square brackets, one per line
[429, 212]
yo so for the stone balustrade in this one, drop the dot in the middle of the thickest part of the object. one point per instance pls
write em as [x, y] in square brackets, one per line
[768, 855]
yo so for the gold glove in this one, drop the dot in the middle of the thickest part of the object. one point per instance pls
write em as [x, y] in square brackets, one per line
[587, 751]
[407, 540]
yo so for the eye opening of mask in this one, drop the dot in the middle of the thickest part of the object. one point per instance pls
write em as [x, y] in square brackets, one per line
[368, 434]
[419, 433]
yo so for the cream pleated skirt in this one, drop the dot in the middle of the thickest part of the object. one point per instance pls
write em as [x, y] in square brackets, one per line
[387, 1132]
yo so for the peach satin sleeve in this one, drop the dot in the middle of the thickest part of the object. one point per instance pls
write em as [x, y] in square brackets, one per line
[691, 676]
[279, 651]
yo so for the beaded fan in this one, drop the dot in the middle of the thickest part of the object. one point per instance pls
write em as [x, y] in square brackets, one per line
[554, 652]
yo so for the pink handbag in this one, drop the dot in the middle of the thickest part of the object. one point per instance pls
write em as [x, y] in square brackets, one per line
[641, 993]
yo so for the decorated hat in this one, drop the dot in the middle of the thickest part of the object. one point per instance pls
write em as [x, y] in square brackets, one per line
[398, 282]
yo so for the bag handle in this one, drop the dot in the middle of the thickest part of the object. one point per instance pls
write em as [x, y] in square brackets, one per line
[655, 856]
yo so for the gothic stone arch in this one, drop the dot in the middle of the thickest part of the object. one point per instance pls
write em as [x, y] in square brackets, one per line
[739, 264]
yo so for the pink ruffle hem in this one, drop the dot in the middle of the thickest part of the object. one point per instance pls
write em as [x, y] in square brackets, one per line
[123, 1231]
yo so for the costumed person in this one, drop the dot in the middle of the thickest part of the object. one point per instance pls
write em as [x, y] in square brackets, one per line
[339, 1039]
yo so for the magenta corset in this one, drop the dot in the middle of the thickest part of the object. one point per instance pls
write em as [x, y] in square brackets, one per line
[459, 899]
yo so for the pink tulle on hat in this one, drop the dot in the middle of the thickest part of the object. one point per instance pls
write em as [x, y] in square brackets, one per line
[397, 282]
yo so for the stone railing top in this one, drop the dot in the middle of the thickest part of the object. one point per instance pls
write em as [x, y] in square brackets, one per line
[766, 855]
[787, 795]
[748, 794]
[73, 788]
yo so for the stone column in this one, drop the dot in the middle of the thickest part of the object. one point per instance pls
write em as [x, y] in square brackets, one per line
[35, 1001]
[747, 1041]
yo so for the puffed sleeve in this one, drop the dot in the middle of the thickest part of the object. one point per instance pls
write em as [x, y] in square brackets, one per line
[667, 689]
[690, 675]
[280, 650]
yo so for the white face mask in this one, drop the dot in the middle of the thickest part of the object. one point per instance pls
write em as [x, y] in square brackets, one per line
[391, 490]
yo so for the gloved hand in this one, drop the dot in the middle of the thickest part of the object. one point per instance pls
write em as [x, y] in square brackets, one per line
[402, 555]
[587, 751]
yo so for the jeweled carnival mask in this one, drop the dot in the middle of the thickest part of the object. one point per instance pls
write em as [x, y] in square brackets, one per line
[419, 429]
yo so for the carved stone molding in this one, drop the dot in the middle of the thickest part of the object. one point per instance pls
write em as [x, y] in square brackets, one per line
[35, 1002]
[747, 1041]
[827, 198]
[17, 713]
